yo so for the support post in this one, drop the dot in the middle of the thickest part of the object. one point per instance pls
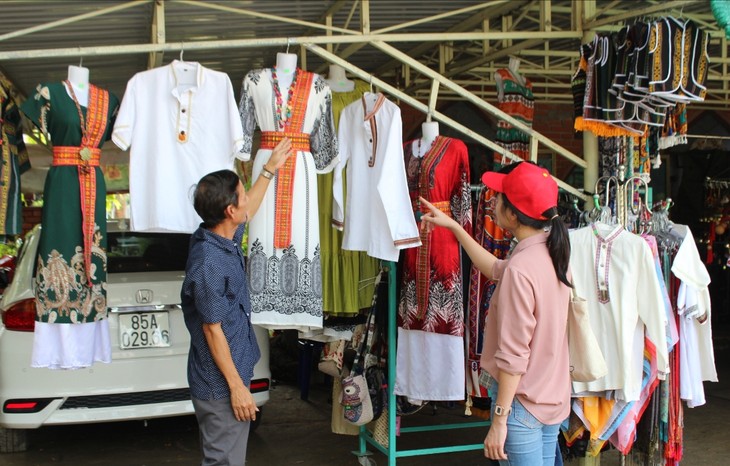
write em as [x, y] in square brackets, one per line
[590, 141]
[154, 59]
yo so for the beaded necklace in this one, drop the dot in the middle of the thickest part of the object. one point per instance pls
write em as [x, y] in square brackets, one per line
[284, 114]
[84, 152]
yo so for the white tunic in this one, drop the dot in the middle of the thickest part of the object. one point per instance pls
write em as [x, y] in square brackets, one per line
[697, 361]
[286, 284]
[616, 275]
[378, 217]
[181, 121]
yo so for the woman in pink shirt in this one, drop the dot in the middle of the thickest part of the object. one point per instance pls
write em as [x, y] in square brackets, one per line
[525, 354]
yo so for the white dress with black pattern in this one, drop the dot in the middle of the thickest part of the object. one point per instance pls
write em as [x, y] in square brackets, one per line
[286, 284]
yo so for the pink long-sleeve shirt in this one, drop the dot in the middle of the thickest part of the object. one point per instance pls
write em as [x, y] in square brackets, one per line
[526, 330]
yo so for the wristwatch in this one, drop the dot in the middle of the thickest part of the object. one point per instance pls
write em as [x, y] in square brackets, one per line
[501, 411]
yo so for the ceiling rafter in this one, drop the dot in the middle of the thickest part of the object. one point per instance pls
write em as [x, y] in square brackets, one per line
[73, 19]
[468, 24]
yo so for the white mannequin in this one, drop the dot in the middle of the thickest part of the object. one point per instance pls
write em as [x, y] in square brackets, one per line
[286, 66]
[429, 132]
[514, 65]
[337, 80]
[78, 76]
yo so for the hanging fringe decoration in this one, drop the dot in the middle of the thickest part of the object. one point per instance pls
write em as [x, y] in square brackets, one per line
[721, 12]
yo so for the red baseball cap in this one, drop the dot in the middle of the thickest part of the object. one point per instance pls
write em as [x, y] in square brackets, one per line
[529, 188]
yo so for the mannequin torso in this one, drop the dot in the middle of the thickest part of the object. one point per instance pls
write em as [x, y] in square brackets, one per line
[513, 67]
[337, 80]
[78, 76]
[286, 66]
[429, 132]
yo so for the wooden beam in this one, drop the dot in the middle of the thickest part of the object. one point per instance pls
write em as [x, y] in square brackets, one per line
[273, 42]
[154, 59]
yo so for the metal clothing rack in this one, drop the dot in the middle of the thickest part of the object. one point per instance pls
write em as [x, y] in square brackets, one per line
[625, 189]
[391, 451]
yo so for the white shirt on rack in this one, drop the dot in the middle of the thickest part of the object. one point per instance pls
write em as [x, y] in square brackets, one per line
[621, 265]
[697, 357]
[182, 122]
[378, 217]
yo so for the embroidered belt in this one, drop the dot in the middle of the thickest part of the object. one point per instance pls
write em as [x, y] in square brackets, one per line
[299, 141]
[71, 156]
[284, 182]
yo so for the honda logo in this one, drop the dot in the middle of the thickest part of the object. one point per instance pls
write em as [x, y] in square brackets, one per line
[144, 296]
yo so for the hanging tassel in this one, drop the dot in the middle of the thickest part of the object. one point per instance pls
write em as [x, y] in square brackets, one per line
[468, 404]
[721, 12]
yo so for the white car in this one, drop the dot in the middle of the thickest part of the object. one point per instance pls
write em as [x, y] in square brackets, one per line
[147, 377]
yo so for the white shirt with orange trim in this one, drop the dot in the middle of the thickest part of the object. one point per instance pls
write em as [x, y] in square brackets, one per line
[378, 216]
[182, 122]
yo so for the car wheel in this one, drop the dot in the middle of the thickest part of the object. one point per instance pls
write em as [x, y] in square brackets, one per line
[13, 440]
[255, 424]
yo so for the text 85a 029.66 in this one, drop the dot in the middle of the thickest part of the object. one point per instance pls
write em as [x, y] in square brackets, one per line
[144, 330]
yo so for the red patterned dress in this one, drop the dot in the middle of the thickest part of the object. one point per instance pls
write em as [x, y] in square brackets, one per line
[430, 355]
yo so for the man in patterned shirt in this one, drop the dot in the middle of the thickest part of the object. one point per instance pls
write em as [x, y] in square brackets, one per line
[217, 309]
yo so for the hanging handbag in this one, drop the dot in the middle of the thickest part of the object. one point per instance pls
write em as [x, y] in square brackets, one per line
[586, 359]
[355, 398]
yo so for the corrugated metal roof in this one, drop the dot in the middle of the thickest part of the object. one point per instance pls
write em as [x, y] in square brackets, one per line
[190, 21]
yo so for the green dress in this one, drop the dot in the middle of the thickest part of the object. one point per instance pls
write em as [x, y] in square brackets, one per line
[13, 162]
[65, 292]
[348, 277]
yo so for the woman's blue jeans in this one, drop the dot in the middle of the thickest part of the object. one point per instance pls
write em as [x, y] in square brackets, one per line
[529, 442]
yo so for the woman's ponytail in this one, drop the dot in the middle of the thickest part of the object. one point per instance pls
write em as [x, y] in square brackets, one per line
[558, 243]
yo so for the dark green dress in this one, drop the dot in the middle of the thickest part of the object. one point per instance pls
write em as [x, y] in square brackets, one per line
[64, 293]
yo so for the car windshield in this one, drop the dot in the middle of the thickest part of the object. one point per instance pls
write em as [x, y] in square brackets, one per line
[146, 252]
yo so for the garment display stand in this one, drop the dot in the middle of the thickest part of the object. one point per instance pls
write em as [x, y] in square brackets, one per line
[391, 451]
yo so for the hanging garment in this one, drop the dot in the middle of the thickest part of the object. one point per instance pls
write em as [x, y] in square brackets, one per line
[613, 270]
[181, 122]
[348, 277]
[70, 284]
[378, 217]
[697, 357]
[680, 63]
[430, 355]
[284, 253]
[14, 162]
[516, 100]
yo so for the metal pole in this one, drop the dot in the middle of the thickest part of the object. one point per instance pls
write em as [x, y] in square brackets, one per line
[418, 105]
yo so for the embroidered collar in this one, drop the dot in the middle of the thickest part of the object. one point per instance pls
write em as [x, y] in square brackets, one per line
[380, 98]
[602, 259]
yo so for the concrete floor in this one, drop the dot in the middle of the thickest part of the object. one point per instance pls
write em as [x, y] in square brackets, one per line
[295, 432]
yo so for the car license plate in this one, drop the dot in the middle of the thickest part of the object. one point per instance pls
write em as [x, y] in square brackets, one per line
[144, 330]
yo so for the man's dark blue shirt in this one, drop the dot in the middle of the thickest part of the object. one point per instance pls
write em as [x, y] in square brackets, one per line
[215, 290]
